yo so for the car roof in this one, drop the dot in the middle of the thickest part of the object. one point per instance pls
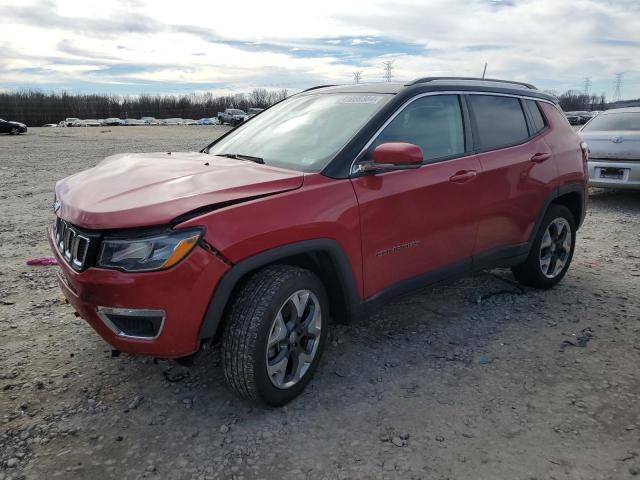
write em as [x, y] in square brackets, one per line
[438, 84]
[622, 110]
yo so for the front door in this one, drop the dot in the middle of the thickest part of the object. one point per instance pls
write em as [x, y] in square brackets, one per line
[422, 220]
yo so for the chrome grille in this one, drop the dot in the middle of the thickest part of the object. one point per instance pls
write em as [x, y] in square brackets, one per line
[72, 245]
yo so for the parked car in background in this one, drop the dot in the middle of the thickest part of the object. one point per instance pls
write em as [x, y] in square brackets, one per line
[232, 116]
[133, 122]
[150, 121]
[281, 226]
[189, 121]
[91, 122]
[50, 125]
[251, 112]
[173, 121]
[613, 139]
[12, 128]
[208, 121]
[579, 117]
[72, 122]
[112, 122]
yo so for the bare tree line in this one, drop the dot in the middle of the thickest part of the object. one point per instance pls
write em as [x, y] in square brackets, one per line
[36, 108]
[573, 100]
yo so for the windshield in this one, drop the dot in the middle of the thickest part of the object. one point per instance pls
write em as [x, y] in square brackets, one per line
[236, 112]
[304, 132]
[614, 121]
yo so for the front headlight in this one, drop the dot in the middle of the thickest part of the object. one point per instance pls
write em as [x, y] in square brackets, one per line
[148, 253]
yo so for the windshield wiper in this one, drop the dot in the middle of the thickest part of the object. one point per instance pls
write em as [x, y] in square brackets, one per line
[239, 156]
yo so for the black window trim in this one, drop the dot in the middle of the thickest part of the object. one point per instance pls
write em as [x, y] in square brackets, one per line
[466, 132]
[470, 133]
[525, 111]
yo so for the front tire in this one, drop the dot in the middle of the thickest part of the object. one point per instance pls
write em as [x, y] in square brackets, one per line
[274, 334]
[14, 131]
[551, 252]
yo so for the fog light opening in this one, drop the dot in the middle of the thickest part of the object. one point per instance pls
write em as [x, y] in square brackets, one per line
[140, 324]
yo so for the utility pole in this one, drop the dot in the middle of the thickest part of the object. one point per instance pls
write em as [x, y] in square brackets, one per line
[357, 76]
[587, 85]
[388, 70]
[485, 70]
[617, 95]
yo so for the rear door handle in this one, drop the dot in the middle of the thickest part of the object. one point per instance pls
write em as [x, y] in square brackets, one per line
[463, 176]
[540, 157]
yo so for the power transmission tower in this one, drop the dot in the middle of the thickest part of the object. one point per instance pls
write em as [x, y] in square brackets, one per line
[388, 70]
[617, 95]
[357, 76]
[587, 85]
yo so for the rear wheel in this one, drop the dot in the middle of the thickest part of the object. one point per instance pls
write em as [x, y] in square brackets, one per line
[274, 334]
[551, 252]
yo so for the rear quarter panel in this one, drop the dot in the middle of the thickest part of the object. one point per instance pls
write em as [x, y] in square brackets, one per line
[565, 146]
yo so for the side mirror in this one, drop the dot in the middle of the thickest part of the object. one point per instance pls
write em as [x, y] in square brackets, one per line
[393, 156]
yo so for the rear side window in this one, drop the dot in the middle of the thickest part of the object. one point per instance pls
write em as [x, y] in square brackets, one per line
[434, 123]
[500, 120]
[536, 115]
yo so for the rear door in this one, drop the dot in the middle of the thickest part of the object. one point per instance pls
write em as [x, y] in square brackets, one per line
[416, 221]
[518, 171]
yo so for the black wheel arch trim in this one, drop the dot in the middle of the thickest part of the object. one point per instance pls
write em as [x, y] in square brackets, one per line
[229, 281]
[577, 188]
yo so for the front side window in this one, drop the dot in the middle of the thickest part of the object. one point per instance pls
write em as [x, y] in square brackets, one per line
[500, 121]
[608, 122]
[434, 123]
[304, 132]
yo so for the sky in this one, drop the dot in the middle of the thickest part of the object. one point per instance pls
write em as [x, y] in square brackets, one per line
[173, 47]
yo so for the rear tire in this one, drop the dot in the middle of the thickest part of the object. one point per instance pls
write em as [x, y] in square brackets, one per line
[551, 252]
[274, 335]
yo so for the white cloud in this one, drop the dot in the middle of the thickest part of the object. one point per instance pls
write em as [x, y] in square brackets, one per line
[237, 45]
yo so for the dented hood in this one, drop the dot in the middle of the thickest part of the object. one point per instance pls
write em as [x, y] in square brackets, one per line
[136, 190]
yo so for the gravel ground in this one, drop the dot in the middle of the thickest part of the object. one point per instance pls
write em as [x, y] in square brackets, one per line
[471, 379]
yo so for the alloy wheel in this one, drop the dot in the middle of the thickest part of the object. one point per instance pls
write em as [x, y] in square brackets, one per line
[293, 339]
[555, 247]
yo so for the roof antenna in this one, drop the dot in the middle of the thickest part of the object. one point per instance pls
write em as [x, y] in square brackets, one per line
[485, 69]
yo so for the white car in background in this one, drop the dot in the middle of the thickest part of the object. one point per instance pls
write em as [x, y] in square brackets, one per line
[133, 122]
[91, 122]
[613, 139]
[150, 121]
[173, 121]
[208, 121]
[112, 122]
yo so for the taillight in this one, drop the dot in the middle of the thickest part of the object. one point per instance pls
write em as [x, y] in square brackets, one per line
[585, 151]
[585, 158]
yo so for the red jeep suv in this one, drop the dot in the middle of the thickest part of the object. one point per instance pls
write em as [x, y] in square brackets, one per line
[314, 210]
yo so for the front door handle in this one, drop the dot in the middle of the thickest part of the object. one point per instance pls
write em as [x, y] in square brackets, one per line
[463, 176]
[540, 157]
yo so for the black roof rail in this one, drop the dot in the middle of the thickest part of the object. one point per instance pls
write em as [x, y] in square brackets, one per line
[431, 79]
[317, 86]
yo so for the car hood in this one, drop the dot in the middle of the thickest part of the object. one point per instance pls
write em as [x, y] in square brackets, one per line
[136, 190]
[614, 145]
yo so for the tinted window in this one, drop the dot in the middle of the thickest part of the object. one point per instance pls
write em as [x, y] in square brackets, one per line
[500, 120]
[614, 121]
[434, 123]
[536, 115]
